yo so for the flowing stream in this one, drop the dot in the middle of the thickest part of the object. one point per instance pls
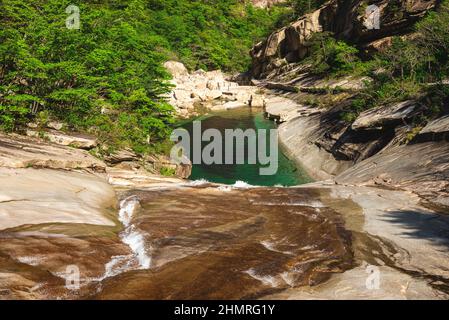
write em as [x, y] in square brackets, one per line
[245, 238]
[132, 237]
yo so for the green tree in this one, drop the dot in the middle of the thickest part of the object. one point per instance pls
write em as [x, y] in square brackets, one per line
[302, 7]
[328, 55]
[107, 77]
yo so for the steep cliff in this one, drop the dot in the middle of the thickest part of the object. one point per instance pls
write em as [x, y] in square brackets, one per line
[396, 137]
[346, 19]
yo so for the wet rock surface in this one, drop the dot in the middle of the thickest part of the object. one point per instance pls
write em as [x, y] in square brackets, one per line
[50, 220]
[174, 239]
[318, 241]
[204, 241]
[250, 243]
[243, 247]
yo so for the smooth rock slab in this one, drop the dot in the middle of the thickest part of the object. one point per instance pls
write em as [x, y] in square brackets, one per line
[351, 285]
[384, 115]
[22, 152]
[437, 126]
[76, 141]
[30, 196]
[281, 108]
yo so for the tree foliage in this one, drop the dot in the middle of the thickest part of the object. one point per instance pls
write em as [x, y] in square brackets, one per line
[328, 55]
[301, 7]
[415, 66]
[107, 77]
[212, 34]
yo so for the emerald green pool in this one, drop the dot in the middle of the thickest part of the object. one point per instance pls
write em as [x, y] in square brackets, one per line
[288, 174]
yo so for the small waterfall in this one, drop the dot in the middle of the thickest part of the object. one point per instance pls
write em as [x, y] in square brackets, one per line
[132, 237]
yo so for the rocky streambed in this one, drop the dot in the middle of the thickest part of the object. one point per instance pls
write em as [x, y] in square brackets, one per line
[165, 239]
[185, 240]
[375, 227]
[135, 235]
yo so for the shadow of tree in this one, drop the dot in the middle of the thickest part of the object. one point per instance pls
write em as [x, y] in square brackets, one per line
[423, 225]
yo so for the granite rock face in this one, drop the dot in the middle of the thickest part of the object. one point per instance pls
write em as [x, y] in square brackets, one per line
[419, 167]
[24, 152]
[209, 90]
[440, 125]
[346, 19]
[386, 115]
[30, 196]
[73, 140]
[380, 148]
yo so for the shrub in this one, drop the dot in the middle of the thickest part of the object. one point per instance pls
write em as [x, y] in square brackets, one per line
[168, 172]
[329, 55]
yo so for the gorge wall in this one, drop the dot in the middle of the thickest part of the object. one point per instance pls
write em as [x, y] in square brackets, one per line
[345, 19]
[384, 145]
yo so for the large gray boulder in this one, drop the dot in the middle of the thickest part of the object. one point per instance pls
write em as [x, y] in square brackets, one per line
[177, 69]
[386, 115]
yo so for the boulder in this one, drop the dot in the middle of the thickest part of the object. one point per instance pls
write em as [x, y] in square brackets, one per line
[200, 72]
[437, 126]
[207, 90]
[156, 163]
[387, 115]
[201, 84]
[257, 101]
[138, 178]
[232, 105]
[214, 75]
[281, 109]
[121, 156]
[176, 69]
[55, 125]
[274, 41]
[181, 94]
[243, 97]
[213, 94]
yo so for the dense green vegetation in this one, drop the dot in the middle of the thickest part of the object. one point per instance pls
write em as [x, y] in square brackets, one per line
[413, 67]
[301, 7]
[211, 34]
[331, 56]
[107, 77]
